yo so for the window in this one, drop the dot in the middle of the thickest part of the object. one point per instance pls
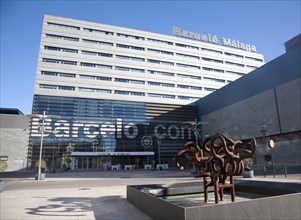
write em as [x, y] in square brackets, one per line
[154, 83]
[130, 58]
[212, 60]
[160, 41]
[189, 87]
[187, 98]
[167, 84]
[68, 62]
[121, 80]
[44, 86]
[234, 64]
[129, 81]
[95, 77]
[59, 37]
[52, 48]
[214, 80]
[88, 64]
[69, 50]
[121, 92]
[129, 47]
[160, 51]
[137, 93]
[188, 56]
[97, 42]
[85, 52]
[129, 69]
[189, 76]
[66, 88]
[183, 86]
[160, 62]
[233, 55]
[160, 73]
[188, 66]
[63, 26]
[82, 89]
[153, 61]
[47, 60]
[103, 78]
[255, 59]
[47, 86]
[96, 65]
[98, 31]
[168, 96]
[209, 89]
[130, 36]
[89, 53]
[212, 51]
[48, 73]
[86, 90]
[136, 81]
[161, 84]
[187, 46]
[213, 70]
[155, 95]
[86, 77]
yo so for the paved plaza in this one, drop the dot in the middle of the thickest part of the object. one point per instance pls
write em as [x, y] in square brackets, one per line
[86, 195]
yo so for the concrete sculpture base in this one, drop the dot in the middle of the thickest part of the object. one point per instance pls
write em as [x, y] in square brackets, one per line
[254, 200]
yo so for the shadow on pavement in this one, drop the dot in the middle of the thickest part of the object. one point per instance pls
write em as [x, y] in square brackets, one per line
[105, 207]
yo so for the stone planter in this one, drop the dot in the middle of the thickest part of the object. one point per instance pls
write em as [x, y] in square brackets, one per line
[43, 174]
[248, 174]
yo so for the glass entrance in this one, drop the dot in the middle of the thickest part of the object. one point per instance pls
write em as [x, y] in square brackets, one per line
[83, 163]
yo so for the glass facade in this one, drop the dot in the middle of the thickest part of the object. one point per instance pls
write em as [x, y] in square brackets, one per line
[117, 132]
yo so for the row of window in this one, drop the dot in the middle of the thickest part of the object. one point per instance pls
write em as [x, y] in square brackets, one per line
[93, 53]
[124, 80]
[95, 65]
[103, 32]
[120, 92]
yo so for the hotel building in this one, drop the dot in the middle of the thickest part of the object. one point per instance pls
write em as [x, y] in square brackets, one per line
[125, 96]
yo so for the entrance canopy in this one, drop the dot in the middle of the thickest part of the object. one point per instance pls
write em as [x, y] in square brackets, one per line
[137, 153]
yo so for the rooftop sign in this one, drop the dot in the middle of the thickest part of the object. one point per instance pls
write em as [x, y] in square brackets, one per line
[213, 39]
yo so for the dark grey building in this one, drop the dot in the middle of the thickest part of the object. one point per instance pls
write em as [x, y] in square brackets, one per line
[264, 104]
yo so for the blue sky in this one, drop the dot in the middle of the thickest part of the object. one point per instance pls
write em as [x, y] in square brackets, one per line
[265, 24]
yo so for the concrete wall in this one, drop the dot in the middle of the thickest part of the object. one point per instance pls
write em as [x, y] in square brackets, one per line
[14, 136]
[289, 105]
[278, 108]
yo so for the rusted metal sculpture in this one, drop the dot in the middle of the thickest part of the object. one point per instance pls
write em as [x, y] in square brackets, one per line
[219, 158]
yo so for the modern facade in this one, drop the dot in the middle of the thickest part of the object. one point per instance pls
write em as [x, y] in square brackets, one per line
[268, 106]
[14, 136]
[126, 96]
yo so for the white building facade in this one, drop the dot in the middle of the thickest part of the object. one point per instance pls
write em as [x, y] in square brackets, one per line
[120, 90]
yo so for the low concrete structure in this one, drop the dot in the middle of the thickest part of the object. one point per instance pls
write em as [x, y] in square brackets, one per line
[264, 200]
[14, 135]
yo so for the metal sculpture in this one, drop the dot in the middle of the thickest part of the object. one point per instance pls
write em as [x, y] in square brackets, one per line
[219, 158]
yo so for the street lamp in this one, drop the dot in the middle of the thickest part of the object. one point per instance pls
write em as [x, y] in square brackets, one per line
[54, 133]
[270, 142]
[195, 128]
[43, 117]
[271, 145]
[159, 141]
[158, 138]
